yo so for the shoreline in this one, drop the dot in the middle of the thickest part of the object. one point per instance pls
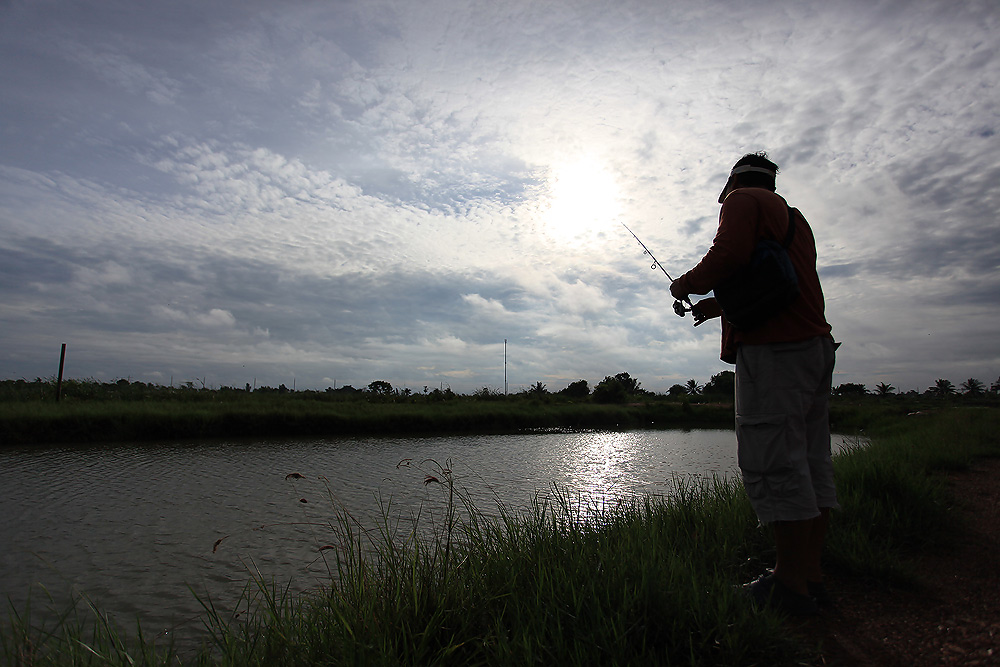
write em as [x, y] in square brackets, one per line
[87, 422]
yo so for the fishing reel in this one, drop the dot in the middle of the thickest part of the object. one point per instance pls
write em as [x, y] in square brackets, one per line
[681, 309]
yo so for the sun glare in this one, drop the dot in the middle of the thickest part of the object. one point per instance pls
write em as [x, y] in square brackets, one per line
[583, 199]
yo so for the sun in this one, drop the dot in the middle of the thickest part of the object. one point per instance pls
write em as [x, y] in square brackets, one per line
[584, 198]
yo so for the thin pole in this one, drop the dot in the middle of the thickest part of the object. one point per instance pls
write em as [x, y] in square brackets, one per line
[504, 366]
[62, 363]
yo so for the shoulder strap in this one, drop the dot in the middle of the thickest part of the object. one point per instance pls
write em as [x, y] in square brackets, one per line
[790, 234]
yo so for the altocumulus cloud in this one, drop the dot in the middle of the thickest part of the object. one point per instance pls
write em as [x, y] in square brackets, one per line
[323, 194]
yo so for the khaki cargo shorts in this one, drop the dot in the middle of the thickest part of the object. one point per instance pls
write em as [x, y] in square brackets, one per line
[783, 428]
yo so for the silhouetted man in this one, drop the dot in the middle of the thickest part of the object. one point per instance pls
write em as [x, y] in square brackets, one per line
[784, 370]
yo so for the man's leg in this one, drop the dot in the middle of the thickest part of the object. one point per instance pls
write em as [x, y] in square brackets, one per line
[792, 372]
[820, 464]
[800, 547]
[792, 541]
[817, 536]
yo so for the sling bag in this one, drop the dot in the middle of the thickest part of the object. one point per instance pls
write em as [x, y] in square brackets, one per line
[763, 288]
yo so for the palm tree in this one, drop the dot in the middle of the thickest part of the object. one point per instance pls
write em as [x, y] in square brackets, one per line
[692, 387]
[538, 389]
[883, 389]
[973, 387]
[942, 388]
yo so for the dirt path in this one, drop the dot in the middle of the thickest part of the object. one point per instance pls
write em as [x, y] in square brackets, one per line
[953, 620]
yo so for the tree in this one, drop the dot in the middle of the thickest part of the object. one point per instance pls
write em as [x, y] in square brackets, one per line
[380, 388]
[692, 387]
[850, 389]
[538, 389]
[617, 389]
[487, 394]
[346, 389]
[628, 383]
[444, 395]
[723, 383]
[677, 390]
[973, 387]
[883, 389]
[578, 389]
[942, 388]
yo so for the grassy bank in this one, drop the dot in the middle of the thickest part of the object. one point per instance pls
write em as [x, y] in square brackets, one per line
[23, 423]
[130, 411]
[649, 581]
[237, 414]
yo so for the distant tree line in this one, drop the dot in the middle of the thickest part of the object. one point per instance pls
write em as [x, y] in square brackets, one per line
[942, 388]
[619, 388]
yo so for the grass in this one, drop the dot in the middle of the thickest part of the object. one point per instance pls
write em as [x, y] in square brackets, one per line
[569, 582]
[80, 635]
[892, 502]
[640, 581]
[133, 411]
[236, 415]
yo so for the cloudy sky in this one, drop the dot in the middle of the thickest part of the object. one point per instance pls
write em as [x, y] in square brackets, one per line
[335, 192]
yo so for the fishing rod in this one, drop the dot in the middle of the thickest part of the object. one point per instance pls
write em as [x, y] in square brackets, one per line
[678, 304]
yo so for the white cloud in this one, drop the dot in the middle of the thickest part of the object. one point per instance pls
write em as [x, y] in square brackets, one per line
[360, 190]
[490, 308]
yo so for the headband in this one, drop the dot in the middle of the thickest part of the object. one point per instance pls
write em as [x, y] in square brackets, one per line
[742, 169]
[746, 167]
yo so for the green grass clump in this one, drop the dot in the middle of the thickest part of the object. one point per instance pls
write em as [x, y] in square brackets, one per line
[81, 635]
[892, 503]
[639, 581]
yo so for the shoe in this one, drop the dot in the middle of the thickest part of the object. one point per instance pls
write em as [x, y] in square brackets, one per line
[818, 592]
[767, 591]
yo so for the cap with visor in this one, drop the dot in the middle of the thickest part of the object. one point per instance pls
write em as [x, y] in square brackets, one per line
[743, 169]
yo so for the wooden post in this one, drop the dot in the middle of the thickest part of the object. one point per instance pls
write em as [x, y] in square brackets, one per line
[62, 363]
[504, 366]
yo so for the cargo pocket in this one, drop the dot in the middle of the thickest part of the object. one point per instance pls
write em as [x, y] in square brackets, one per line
[755, 486]
[764, 459]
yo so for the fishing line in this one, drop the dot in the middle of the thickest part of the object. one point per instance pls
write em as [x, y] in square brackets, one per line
[678, 305]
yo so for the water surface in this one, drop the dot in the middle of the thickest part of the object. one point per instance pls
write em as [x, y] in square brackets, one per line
[133, 526]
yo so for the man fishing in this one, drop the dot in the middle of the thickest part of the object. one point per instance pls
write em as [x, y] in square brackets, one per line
[784, 369]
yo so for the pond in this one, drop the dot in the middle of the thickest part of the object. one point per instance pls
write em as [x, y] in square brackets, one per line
[140, 528]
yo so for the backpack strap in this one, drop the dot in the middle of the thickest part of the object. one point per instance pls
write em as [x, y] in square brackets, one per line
[790, 234]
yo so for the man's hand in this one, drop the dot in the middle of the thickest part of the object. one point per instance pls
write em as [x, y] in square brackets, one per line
[705, 310]
[677, 290]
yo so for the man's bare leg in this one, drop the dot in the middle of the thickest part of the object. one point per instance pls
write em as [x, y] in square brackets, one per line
[792, 540]
[817, 536]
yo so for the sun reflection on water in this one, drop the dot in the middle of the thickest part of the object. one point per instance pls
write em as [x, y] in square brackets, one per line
[604, 469]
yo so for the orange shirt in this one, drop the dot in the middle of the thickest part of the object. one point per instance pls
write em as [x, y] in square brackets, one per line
[748, 215]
